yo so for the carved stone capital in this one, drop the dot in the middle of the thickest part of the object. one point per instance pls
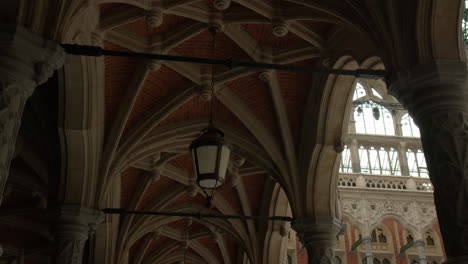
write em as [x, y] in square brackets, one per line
[72, 229]
[318, 235]
[421, 89]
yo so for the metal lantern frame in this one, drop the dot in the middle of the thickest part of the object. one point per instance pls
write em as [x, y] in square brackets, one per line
[211, 136]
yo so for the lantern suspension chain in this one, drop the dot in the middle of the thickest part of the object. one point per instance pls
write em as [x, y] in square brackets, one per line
[94, 51]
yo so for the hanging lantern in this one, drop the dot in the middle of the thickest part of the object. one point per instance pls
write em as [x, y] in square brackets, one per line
[210, 155]
[376, 113]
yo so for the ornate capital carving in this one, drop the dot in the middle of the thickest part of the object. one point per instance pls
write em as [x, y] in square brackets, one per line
[420, 90]
[72, 230]
[318, 235]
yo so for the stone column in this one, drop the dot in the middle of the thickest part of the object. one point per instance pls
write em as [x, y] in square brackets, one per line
[436, 96]
[367, 243]
[419, 244]
[72, 229]
[403, 160]
[318, 236]
[26, 61]
[354, 154]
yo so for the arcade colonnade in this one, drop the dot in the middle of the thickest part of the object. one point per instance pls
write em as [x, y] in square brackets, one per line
[426, 59]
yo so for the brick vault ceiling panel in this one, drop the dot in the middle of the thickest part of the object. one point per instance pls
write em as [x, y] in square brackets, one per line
[129, 182]
[255, 94]
[263, 34]
[201, 45]
[183, 162]
[295, 87]
[169, 22]
[254, 186]
[158, 85]
[197, 109]
[185, 199]
[155, 190]
[231, 195]
[118, 73]
[212, 245]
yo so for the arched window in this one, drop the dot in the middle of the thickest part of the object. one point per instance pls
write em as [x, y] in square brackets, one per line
[376, 94]
[385, 261]
[373, 118]
[345, 164]
[429, 240]
[417, 163]
[379, 161]
[408, 127]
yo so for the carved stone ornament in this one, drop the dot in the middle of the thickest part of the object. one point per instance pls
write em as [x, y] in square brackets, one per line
[154, 18]
[221, 4]
[338, 145]
[370, 211]
[280, 29]
[26, 60]
[318, 236]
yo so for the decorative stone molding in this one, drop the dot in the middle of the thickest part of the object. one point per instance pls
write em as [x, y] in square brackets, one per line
[26, 60]
[385, 182]
[238, 161]
[280, 29]
[205, 88]
[265, 76]
[153, 65]
[72, 229]
[221, 4]
[154, 18]
[318, 236]
[369, 212]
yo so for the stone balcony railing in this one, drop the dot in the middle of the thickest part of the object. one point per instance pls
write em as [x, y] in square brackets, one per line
[387, 182]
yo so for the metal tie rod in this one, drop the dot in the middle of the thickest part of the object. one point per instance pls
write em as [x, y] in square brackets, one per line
[94, 51]
[198, 216]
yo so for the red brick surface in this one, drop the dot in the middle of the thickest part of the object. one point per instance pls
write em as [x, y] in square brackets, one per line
[254, 185]
[158, 85]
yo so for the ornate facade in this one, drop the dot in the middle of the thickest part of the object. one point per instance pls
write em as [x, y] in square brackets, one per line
[79, 134]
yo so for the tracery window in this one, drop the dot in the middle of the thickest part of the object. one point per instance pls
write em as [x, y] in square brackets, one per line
[417, 163]
[373, 118]
[345, 163]
[379, 161]
[359, 91]
[408, 127]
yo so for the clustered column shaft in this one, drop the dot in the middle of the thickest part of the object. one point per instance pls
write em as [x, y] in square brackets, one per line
[436, 96]
[26, 61]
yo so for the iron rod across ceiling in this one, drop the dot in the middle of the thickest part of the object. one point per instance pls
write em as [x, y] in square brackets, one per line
[198, 215]
[94, 51]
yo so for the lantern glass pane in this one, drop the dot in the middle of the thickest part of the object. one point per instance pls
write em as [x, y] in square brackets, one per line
[225, 151]
[209, 184]
[206, 156]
